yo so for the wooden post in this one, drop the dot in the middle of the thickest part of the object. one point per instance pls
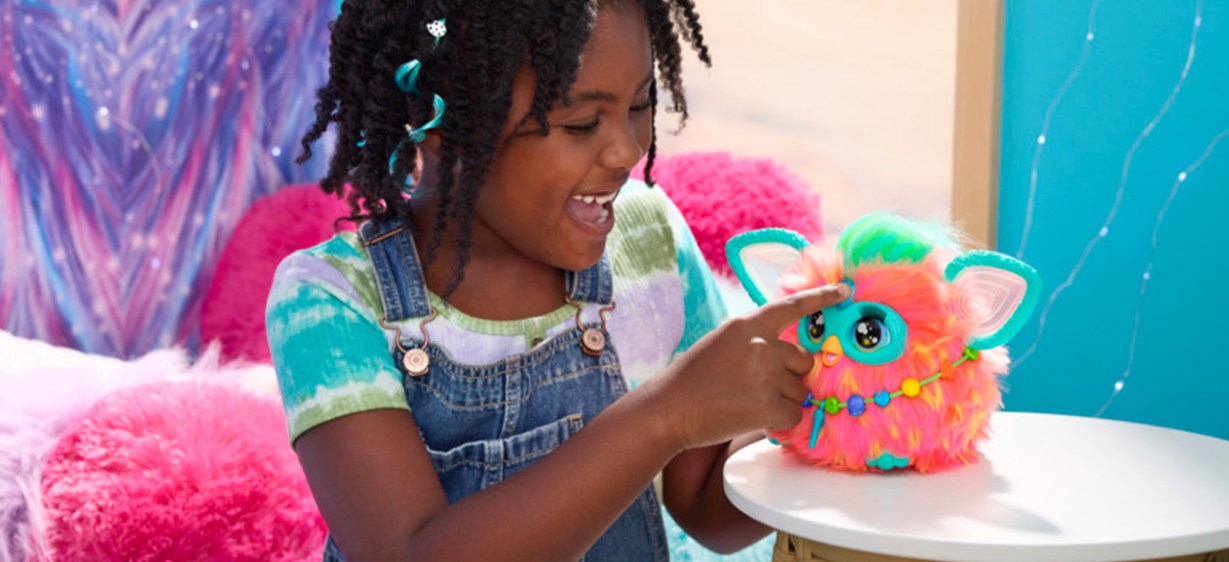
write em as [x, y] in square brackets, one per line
[979, 88]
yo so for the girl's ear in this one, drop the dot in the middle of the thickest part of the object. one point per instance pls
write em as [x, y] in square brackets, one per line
[997, 292]
[760, 257]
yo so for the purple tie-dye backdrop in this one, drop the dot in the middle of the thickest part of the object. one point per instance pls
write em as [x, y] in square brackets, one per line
[133, 135]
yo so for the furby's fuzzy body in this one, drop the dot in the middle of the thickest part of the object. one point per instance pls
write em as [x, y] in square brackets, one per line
[909, 369]
[937, 429]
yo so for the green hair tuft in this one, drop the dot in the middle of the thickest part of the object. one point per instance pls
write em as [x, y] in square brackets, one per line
[886, 238]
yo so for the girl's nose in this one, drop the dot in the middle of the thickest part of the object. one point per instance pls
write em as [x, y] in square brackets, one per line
[623, 151]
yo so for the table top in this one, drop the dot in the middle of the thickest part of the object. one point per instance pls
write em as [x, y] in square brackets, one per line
[1048, 487]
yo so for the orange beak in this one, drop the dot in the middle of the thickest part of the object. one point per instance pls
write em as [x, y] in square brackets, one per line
[831, 352]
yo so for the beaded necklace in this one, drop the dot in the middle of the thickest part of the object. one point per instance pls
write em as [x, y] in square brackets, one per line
[856, 404]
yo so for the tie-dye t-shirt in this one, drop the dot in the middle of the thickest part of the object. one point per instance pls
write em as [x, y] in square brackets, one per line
[333, 358]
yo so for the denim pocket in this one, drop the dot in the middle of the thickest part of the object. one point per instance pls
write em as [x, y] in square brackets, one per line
[473, 466]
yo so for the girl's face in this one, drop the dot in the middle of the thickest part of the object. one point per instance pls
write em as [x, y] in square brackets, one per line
[550, 198]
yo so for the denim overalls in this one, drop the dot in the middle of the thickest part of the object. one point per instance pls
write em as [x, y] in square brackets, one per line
[483, 423]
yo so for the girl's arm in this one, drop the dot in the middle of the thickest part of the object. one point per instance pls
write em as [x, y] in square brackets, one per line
[694, 492]
[378, 492]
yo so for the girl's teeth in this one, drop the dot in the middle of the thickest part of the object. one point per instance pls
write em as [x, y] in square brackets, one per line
[599, 199]
[605, 215]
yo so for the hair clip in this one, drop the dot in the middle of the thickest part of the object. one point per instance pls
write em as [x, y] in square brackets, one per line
[407, 74]
[407, 81]
[437, 29]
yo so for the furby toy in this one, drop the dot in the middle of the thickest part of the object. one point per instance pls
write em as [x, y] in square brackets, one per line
[907, 369]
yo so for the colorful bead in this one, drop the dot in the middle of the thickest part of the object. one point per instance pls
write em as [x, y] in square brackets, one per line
[807, 402]
[831, 405]
[883, 398]
[856, 405]
[910, 387]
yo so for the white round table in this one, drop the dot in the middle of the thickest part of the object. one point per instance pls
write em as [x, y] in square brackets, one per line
[1047, 487]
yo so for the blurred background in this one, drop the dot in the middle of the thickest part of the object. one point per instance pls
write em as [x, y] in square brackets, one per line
[857, 98]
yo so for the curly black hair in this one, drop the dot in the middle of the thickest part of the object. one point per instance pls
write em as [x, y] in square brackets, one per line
[472, 69]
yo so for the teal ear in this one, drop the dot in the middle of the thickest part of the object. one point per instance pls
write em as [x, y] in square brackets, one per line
[760, 257]
[996, 291]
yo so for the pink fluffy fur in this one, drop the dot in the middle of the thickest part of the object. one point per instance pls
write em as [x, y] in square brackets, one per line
[938, 428]
[722, 195]
[46, 388]
[179, 471]
[233, 312]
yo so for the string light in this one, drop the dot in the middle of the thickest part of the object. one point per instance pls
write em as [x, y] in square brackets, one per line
[1143, 286]
[1119, 192]
[1045, 128]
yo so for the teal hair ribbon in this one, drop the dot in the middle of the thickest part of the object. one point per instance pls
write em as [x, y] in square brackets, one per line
[407, 76]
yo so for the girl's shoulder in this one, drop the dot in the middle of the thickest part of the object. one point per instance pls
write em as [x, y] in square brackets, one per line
[337, 266]
[647, 231]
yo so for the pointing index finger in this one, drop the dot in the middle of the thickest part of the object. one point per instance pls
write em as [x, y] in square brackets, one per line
[778, 314]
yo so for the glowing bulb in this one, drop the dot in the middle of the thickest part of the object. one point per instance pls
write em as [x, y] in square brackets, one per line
[1182, 176]
[1104, 231]
[1088, 37]
[1118, 386]
[277, 151]
[194, 24]
[1041, 139]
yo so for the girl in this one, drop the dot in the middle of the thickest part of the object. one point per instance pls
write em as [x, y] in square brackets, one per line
[456, 374]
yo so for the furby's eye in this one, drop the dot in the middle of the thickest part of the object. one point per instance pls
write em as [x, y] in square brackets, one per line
[870, 333]
[815, 327]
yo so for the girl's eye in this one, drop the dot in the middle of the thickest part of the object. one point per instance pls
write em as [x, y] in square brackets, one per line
[582, 128]
[870, 333]
[815, 327]
[641, 107]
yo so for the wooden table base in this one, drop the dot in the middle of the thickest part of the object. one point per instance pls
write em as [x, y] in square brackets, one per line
[790, 548]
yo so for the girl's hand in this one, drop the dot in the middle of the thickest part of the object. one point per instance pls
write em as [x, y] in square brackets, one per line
[741, 377]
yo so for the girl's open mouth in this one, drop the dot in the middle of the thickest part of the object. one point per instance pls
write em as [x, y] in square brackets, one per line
[594, 210]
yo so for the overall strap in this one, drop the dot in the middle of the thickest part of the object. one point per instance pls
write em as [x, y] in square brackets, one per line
[403, 290]
[595, 285]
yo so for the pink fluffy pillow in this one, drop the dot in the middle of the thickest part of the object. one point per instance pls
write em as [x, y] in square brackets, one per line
[179, 471]
[233, 312]
[722, 196]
